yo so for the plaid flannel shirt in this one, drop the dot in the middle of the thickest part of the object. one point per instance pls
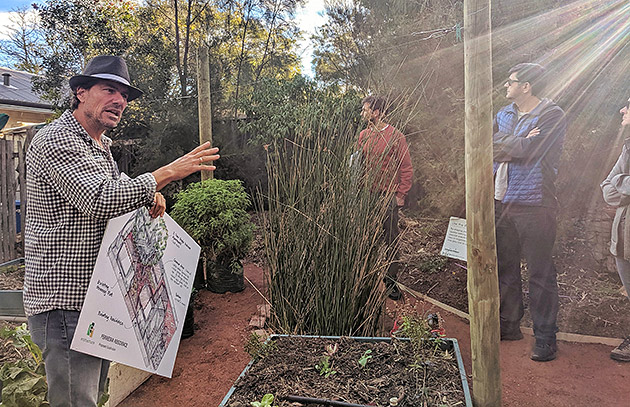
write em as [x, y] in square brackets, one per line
[73, 188]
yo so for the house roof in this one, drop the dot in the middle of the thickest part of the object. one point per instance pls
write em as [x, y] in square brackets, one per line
[19, 92]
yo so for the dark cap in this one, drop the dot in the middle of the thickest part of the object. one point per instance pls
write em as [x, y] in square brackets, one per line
[109, 68]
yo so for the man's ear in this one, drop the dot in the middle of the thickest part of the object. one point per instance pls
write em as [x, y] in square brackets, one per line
[81, 94]
[527, 87]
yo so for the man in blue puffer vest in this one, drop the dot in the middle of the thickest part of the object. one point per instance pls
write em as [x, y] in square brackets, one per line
[527, 142]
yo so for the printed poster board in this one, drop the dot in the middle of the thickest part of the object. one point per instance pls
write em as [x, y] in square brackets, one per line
[455, 241]
[138, 296]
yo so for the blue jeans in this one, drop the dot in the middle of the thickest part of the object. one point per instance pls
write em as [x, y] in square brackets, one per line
[623, 268]
[74, 378]
[529, 232]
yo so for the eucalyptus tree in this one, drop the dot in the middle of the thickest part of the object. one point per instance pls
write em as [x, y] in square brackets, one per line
[23, 47]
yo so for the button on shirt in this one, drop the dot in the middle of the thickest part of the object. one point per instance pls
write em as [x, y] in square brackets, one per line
[73, 188]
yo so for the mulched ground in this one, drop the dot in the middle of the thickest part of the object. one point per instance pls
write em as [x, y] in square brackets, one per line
[12, 277]
[591, 300]
[291, 368]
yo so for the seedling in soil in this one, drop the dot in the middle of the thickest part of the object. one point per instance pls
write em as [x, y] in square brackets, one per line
[325, 367]
[331, 349]
[267, 401]
[365, 357]
[258, 349]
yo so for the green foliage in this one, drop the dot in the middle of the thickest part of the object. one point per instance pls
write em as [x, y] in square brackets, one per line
[257, 349]
[365, 357]
[24, 381]
[418, 330]
[325, 367]
[279, 108]
[214, 213]
[433, 264]
[267, 401]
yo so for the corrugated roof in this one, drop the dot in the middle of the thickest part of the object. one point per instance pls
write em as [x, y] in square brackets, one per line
[19, 92]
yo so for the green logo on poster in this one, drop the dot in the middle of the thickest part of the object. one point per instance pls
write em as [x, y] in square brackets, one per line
[90, 330]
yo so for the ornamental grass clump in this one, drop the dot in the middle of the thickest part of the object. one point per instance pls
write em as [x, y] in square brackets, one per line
[323, 231]
[214, 213]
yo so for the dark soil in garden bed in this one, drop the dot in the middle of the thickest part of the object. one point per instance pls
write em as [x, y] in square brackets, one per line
[591, 300]
[209, 362]
[293, 366]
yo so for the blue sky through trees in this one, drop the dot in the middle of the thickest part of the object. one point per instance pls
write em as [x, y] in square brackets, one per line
[308, 18]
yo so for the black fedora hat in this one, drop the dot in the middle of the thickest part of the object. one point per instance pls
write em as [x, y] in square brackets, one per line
[109, 68]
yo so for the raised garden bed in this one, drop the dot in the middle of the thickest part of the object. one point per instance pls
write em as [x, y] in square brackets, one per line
[292, 368]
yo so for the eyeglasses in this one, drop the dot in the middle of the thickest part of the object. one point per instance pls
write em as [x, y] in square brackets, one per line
[510, 81]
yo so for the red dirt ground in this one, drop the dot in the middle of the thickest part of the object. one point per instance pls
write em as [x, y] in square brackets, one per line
[209, 362]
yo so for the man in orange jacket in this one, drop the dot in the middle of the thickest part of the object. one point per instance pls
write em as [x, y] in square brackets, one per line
[385, 151]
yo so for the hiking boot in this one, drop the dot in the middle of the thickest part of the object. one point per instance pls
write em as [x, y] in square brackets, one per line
[511, 334]
[622, 352]
[395, 293]
[544, 351]
[511, 331]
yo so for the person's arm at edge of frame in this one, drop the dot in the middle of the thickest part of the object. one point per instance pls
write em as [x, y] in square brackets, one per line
[552, 126]
[616, 186]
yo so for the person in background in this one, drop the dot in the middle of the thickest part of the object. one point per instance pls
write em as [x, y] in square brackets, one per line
[73, 189]
[616, 190]
[385, 151]
[527, 142]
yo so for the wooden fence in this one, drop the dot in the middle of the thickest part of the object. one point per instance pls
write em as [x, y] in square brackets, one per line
[13, 188]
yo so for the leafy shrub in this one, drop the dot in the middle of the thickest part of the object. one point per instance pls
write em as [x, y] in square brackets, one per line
[24, 381]
[214, 213]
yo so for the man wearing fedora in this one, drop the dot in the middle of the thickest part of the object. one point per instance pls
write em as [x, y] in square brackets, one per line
[73, 189]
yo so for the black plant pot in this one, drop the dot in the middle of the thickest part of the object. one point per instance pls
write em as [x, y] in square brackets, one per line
[189, 322]
[221, 278]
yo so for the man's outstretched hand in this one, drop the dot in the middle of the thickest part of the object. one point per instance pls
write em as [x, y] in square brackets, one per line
[201, 158]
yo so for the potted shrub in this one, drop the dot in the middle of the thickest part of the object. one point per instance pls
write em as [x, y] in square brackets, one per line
[214, 213]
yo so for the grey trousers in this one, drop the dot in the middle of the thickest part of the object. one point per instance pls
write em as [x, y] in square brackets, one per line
[529, 232]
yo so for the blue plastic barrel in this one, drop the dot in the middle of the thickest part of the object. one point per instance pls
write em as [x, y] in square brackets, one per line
[18, 218]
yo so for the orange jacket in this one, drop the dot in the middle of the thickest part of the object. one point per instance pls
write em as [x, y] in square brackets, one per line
[388, 148]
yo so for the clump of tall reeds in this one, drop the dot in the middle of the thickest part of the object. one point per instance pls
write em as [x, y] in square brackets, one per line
[323, 232]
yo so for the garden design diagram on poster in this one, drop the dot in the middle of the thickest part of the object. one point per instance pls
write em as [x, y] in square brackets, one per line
[139, 292]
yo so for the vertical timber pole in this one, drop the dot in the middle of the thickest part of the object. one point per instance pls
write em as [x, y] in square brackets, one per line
[483, 285]
[203, 99]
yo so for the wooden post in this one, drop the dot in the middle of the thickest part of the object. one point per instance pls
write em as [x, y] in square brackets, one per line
[483, 286]
[204, 102]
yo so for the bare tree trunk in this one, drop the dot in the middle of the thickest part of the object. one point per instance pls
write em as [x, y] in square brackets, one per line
[242, 55]
[177, 50]
[205, 106]
[276, 6]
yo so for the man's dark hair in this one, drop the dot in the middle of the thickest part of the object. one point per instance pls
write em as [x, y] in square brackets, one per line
[377, 103]
[87, 84]
[532, 73]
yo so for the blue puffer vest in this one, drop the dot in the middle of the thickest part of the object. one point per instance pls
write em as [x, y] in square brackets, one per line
[531, 180]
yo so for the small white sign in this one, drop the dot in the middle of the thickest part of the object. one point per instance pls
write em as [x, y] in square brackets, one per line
[137, 298]
[455, 240]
